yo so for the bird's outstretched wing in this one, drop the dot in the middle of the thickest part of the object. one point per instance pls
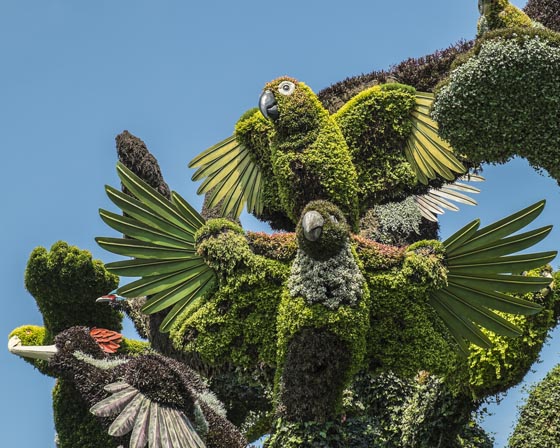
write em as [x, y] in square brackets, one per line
[232, 175]
[437, 200]
[152, 424]
[430, 155]
[482, 273]
[160, 238]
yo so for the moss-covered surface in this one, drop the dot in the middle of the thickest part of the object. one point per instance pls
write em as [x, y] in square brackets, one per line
[376, 124]
[65, 282]
[74, 424]
[500, 14]
[504, 100]
[32, 335]
[236, 327]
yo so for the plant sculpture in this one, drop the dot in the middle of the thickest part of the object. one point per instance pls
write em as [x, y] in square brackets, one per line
[324, 334]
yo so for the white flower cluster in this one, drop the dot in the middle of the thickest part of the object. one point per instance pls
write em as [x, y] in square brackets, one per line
[333, 282]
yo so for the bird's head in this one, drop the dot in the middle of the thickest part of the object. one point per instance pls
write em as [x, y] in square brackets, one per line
[95, 343]
[322, 230]
[291, 106]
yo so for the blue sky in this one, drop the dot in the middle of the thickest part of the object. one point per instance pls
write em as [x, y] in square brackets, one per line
[178, 75]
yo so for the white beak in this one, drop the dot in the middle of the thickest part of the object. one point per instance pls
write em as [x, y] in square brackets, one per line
[44, 352]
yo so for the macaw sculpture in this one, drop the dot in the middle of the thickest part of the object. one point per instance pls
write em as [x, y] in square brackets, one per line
[303, 316]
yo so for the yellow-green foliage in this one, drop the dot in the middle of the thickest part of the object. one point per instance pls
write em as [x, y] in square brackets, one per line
[65, 282]
[32, 335]
[501, 14]
[237, 325]
[376, 124]
[133, 347]
[406, 335]
[74, 424]
[505, 364]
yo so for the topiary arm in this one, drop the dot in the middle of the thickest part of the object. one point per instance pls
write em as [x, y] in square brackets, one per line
[481, 271]
[162, 243]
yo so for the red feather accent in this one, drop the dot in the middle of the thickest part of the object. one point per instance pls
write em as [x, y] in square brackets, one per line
[108, 340]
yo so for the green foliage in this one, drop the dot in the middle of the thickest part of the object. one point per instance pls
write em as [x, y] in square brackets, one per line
[502, 366]
[236, 327]
[32, 335]
[74, 424]
[424, 264]
[310, 157]
[133, 347]
[65, 282]
[509, 71]
[376, 124]
[538, 419]
[348, 323]
[406, 335]
[501, 14]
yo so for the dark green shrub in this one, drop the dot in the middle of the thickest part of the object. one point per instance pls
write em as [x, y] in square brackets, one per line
[65, 282]
[546, 12]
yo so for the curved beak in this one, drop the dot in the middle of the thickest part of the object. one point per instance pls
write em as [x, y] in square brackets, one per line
[268, 106]
[312, 224]
[44, 352]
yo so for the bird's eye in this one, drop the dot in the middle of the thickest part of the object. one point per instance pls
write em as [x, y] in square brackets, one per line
[286, 87]
[333, 219]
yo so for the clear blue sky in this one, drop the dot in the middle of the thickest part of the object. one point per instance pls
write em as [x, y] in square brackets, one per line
[178, 75]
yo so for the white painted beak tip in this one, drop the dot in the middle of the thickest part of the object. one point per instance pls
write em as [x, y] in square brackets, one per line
[13, 343]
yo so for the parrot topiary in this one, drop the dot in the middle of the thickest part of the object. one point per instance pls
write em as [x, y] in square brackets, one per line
[304, 315]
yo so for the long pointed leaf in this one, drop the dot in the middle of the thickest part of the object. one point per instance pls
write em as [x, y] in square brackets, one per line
[495, 300]
[150, 197]
[114, 404]
[140, 249]
[502, 265]
[151, 267]
[171, 296]
[461, 236]
[139, 436]
[482, 316]
[135, 229]
[459, 326]
[158, 283]
[503, 227]
[144, 214]
[183, 305]
[501, 283]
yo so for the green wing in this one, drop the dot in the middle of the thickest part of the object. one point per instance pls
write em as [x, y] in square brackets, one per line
[429, 155]
[482, 273]
[161, 241]
[232, 175]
